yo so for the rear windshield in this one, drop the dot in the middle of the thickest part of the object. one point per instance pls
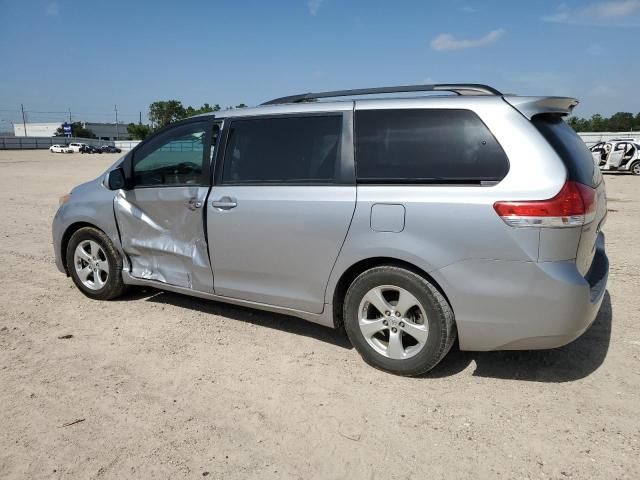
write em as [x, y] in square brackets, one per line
[570, 147]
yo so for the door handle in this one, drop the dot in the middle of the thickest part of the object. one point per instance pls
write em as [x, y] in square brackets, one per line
[194, 204]
[225, 203]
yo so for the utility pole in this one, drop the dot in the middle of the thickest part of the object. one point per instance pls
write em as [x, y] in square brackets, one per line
[69, 116]
[115, 107]
[24, 122]
[140, 121]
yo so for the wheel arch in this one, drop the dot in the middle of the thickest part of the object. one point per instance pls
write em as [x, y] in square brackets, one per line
[351, 273]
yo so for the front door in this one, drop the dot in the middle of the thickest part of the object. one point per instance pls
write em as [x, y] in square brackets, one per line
[281, 208]
[599, 154]
[161, 218]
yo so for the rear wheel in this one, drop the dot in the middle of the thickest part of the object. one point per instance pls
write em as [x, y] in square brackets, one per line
[398, 321]
[635, 167]
[94, 264]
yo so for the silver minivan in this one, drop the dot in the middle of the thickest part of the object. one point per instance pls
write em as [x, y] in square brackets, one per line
[409, 221]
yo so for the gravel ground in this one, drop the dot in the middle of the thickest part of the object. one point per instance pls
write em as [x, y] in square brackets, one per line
[169, 386]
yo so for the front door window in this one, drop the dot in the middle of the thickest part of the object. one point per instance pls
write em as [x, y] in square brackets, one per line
[174, 159]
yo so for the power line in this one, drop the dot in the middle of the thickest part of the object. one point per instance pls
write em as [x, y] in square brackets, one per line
[66, 112]
[32, 117]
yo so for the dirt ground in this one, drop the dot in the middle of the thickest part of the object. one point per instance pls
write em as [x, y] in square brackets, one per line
[169, 386]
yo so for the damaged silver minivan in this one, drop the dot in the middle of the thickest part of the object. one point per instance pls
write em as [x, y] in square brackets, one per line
[410, 221]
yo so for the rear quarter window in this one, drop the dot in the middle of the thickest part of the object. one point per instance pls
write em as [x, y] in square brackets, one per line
[570, 148]
[426, 146]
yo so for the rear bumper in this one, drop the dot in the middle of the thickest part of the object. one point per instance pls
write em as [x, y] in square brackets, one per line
[510, 305]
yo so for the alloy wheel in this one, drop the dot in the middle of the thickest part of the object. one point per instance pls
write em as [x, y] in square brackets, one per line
[91, 264]
[393, 322]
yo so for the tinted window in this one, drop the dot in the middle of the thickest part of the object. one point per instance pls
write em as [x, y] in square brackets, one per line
[283, 150]
[415, 146]
[570, 147]
[173, 158]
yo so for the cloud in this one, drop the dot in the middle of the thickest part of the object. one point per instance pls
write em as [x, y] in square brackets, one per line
[468, 9]
[314, 6]
[615, 9]
[618, 13]
[446, 41]
[53, 9]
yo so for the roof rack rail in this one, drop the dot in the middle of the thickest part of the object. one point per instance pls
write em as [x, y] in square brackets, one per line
[457, 88]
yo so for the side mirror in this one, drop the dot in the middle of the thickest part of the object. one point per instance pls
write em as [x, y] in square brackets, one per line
[116, 179]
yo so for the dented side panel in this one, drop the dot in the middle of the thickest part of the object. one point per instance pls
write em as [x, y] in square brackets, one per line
[162, 233]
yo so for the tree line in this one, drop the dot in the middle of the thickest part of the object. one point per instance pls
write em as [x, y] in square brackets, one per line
[618, 122]
[164, 112]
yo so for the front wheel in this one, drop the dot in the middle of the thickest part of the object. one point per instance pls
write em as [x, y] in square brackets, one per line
[635, 167]
[398, 321]
[94, 264]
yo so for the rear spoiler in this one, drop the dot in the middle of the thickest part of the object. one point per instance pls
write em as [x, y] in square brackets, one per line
[532, 106]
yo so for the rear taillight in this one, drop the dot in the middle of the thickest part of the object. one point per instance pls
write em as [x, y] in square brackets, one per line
[574, 205]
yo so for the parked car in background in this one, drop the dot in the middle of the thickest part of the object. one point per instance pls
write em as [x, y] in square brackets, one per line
[89, 149]
[60, 149]
[76, 147]
[413, 222]
[617, 155]
[110, 149]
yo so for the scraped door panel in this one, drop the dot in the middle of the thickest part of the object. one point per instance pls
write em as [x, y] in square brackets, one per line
[162, 233]
[277, 245]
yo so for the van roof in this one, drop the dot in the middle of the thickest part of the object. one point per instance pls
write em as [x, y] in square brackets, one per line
[308, 102]
[457, 88]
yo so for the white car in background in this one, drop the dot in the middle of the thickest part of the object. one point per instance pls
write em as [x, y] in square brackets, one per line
[76, 147]
[60, 149]
[617, 155]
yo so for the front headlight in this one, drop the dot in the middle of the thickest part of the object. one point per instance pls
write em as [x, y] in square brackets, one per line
[64, 199]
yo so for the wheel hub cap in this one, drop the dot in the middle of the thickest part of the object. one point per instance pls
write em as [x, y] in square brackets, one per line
[91, 264]
[393, 322]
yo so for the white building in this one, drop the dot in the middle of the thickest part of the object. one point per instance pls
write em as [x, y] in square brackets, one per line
[36, 129]
[104, 131]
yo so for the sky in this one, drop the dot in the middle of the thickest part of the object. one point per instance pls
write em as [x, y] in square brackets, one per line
[88, 56]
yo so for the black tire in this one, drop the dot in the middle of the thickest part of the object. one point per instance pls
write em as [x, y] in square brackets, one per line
[441, 324]
[114, 286]
[634, 168]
